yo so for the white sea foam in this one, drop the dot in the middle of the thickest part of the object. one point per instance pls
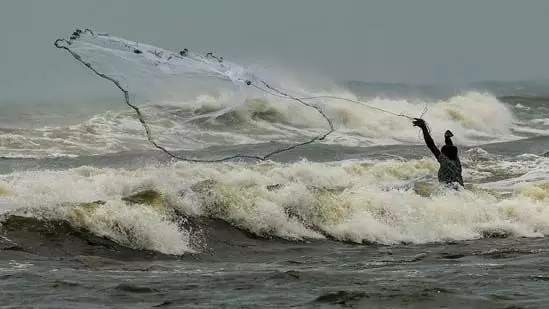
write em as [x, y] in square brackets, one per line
[474, 118]
[378, 202]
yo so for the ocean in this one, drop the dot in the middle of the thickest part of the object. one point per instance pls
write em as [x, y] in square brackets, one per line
[93, 216]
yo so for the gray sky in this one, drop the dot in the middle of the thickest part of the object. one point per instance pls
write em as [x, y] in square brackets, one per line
[389, 41]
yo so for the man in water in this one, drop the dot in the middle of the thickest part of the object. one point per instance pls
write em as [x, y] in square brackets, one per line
[450, 167]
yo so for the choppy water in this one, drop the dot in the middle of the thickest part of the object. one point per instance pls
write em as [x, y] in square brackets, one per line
[247, 273]
[356, 220]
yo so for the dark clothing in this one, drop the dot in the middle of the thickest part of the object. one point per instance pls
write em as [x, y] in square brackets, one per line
[449, 171]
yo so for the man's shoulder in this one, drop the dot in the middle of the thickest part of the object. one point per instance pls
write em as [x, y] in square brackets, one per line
[443, 158]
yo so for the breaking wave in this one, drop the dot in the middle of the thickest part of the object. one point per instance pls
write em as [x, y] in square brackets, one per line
[475, 119]
[386, 202]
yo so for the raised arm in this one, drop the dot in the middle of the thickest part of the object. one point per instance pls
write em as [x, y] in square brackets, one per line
[426, 136]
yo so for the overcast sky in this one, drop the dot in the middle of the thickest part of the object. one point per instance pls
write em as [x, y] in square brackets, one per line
[416, 41]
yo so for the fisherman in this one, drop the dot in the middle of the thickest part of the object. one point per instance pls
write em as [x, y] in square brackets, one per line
[450, 166]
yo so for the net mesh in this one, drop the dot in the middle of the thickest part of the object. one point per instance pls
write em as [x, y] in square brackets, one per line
[165, 88]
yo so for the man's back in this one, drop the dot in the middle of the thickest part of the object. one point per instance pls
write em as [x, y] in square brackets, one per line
[450, 170]
[450, 167]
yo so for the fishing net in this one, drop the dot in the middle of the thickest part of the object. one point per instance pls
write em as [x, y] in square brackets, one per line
[164, 89]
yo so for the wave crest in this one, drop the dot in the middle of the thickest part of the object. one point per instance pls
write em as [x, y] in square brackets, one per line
[374, 202]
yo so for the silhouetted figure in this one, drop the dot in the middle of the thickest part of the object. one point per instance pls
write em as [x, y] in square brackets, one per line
[450, 166]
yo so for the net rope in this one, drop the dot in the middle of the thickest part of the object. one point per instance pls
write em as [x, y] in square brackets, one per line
[196, 65]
